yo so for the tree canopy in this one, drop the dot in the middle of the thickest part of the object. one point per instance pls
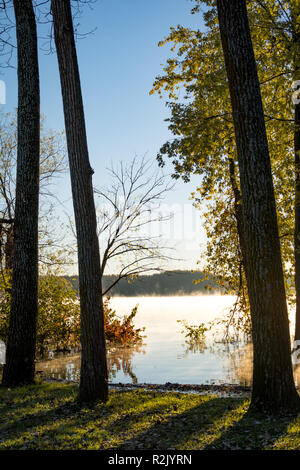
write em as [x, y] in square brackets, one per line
[195, 85]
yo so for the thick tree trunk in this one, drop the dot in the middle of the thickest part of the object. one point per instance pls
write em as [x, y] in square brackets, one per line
[297, 219]
[93, 378]
[295, 12]
[20, 352]
[8, 249]
[273, 388]
[238, 212]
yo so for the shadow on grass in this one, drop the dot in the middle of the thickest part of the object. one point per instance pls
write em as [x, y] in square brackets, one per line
[48, 417]
[128, 420]
[191, 429]
[55, 411]
[24, 399]
[257, 431]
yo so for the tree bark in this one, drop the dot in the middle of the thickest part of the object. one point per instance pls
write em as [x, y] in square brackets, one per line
[20, 351]
[295, 12]
[93, 378]
[297, 219]
[9, 245]
[238, 212]
[273, 389]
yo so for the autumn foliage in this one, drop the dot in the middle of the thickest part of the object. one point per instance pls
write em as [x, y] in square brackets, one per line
[59, 317]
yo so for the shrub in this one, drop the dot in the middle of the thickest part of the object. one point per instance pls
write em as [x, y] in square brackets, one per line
[58, 327]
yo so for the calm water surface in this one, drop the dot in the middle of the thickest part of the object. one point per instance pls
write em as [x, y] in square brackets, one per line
[164, 355]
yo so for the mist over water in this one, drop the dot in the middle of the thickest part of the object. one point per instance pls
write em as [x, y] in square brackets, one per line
[168, 357]
[165, 356]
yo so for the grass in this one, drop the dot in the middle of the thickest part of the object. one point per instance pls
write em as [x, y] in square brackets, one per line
[47, 416]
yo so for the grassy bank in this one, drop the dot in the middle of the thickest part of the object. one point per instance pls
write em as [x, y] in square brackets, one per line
[47, 417]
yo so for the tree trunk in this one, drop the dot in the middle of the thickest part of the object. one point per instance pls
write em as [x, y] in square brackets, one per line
[297, 219]
[93, 378]
[273, 389]
[295, 12]
[20, 352]
[8, 249]
[238, 212]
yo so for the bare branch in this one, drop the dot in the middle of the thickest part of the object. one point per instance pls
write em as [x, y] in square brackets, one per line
[127, 211]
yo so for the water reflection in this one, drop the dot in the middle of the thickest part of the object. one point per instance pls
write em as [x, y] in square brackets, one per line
[61, 367]
[120, 359]
[240, 363]
[235, 357]
[234, 360]
[67, 366]
[192, 347]
[167, 357]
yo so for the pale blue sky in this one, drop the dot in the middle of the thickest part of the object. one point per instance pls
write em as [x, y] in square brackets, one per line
[118, 64]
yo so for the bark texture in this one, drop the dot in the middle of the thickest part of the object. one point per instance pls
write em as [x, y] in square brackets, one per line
[20, 352]
[297, 219]
[238, 212]
[93, 378]
[295, 12]
[9, 245]
[273, 388]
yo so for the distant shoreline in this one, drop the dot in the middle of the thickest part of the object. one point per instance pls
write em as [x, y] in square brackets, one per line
[184, 294]
[165, 284]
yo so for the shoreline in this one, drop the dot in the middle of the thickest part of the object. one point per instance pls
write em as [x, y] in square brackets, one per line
[223, 390]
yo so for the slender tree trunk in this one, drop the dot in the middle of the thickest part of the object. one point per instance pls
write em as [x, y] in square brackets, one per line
[20, 352]
[93, 378]
[273, 388]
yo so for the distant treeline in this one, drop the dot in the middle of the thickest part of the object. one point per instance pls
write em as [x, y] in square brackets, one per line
[160, 284]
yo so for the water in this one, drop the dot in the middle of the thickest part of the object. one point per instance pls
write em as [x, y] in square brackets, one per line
[164, 355]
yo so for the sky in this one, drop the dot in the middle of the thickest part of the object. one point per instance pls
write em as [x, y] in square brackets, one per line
[118, 63]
